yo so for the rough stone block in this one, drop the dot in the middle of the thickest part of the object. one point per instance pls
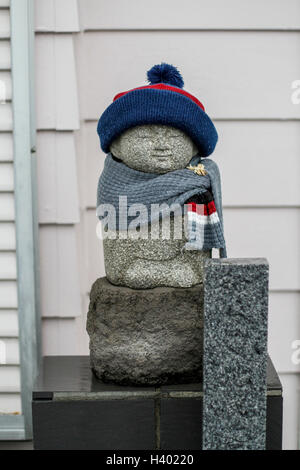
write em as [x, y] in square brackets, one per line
[235, 353]
[145, 336]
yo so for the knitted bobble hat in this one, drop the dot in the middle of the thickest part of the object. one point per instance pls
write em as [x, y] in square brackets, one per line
[162, 102]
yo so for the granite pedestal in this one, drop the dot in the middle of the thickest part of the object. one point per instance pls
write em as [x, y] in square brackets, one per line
[235, 353]
[72, 410]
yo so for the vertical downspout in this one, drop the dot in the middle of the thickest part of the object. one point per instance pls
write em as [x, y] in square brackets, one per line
[31, 33]
[22, 41]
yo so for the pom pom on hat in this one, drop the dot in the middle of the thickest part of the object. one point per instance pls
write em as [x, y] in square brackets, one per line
[165, 73]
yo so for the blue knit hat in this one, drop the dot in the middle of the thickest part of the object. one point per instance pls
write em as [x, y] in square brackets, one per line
[162, 102]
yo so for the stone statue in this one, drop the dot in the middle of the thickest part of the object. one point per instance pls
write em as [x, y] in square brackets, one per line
[159, 199]
[147, 263]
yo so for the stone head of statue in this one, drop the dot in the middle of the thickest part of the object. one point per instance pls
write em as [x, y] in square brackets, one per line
[154, 148]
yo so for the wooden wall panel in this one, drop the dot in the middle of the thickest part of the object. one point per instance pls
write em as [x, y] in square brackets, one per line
[284, 329]
[4, 24]
[68, 336]
[259, 162]
[6, 176]
[56, 16]
[9, 323]
[272, 233]
[5, 86]
[10, 400]
[6, 146]
[94, 250]
[7, 236]
[5, 116]
[12, 351]
[7, 208]
[60, 289]
[5, 60]
[199, 14]
[57, 178]
[56, 87]
[10, 403]
[57, 112]
[8, 294]
[94, 159]
[9, 379]
[8, 265]
[236, 74]
[291, 410]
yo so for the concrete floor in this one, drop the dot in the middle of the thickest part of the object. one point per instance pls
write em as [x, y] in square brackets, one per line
[16, 445]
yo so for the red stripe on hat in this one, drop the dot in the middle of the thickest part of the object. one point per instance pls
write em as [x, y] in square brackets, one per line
[163, 86]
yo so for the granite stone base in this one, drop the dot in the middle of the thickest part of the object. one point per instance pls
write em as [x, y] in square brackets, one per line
[146, 337]
[235, 354]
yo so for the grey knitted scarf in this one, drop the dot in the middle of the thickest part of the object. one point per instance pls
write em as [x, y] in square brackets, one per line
[175, 187]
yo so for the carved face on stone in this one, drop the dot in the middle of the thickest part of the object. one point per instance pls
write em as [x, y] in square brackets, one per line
[154, 148]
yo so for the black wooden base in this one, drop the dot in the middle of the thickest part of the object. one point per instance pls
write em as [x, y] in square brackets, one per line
[73, 410]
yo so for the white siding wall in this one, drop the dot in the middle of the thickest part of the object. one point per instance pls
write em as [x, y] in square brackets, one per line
[10, 401]
[240, 58]
[57, 24]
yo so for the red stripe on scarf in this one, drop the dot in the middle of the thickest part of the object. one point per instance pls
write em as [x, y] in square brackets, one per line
[202, 209]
